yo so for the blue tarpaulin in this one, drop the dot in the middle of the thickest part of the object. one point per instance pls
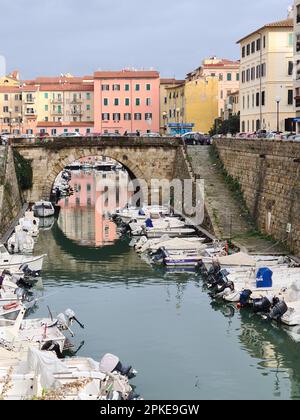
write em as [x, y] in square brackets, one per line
[264, 278]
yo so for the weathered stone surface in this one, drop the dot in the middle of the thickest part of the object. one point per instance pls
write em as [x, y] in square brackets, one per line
[10, 197]
[269, 175]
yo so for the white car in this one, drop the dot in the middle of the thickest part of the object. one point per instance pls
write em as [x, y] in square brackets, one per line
[151, 135]
[72, 134]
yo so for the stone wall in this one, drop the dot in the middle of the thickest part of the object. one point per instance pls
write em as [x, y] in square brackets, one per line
[10, 197]
[269, 176]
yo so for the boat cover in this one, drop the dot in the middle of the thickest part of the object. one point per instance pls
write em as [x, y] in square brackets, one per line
[264, 278]
[108, 363]
[238, 259]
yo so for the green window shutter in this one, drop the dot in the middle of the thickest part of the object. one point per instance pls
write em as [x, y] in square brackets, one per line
[46, 107]
[137, 102]
[137, 87]
[127, 102]
[148, 87]
[88, 107]
[105, 101]
[127, 88]
[116, 102]
[46, 95]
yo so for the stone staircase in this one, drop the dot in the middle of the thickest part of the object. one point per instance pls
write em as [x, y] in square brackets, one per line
[223, 208]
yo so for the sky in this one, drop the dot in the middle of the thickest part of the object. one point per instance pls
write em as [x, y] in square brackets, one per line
[50, 37]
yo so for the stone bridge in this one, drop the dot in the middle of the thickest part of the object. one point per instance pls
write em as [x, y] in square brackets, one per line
[144, 158]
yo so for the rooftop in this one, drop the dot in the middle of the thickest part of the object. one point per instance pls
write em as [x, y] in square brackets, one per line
[127, 74]
[286, 23]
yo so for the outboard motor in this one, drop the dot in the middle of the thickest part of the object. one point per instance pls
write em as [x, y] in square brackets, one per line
[53, 346]
[278, 311]
[262, 305]
[71, 317]
[244, 298]
[125, 370]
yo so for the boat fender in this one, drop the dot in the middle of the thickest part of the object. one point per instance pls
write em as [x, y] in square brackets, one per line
[53, 346]
[10, 306]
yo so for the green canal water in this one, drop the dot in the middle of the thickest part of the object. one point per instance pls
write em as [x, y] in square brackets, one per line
[183, 345]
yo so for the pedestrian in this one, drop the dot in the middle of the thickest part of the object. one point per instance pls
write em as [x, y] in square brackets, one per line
[126, 133]
[138, 134]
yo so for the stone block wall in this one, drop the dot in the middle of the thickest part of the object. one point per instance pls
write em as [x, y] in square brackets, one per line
[269, 175]
[10, 197]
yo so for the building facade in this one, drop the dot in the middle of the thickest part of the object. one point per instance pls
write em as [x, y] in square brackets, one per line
[166, 85]
[266, 78]
[228, 73]
[297, 62]
[127, 101]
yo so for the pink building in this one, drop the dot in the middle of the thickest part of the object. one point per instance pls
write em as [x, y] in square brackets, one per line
[126, 101]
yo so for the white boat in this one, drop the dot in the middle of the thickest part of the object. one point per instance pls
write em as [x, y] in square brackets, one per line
[30, 225]
[152, 245]
[172, 233]
[43, 209]
[141, 214]
[282, 278]
[164, 223]
[20, 242]
[42, 375]
[13, 262]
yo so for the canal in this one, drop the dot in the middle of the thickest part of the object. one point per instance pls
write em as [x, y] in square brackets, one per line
[183, 345]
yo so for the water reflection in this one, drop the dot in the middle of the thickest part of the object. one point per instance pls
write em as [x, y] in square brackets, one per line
[84, 216]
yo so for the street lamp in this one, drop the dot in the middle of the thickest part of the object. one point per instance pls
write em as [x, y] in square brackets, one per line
[278, 100]
[20, 122]
[1, 121]
[10, 120]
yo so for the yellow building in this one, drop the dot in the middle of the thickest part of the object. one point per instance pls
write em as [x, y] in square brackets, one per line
[168, 92]
[201, 102]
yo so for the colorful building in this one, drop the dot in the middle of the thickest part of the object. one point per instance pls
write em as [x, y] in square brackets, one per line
[201, 102]
[297, 62]
[266, 78]
[166, 85]
[126, 101]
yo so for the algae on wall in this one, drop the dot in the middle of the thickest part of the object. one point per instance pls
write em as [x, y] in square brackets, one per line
[23, 171]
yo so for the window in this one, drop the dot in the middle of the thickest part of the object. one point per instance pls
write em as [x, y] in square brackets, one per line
[243, 52]
[76, 130]
[46, 107]
[263, 98]
[290, 97]
[105, 87]
[148, 87]
[88, 96]
[65, 130]
[137, 117]
[116, 117]
[127, 101]
[263, 70]
[148, 116]
[53, 132]
[16, 109]
[238, 77]
[243, 76]
[105, 117]
[220, 77]
[116, 87]
[88, 131]
[264, 42]
[46, 95]
[88, 107]
[258, 72]
[166, 100]
[253, 73]
[291, 40]
[258, 44]
[105, 101]
[221, 94]
[290, 68]
[253, 47]
[6, 97]
[5, 109]
[148, 102]
[257, 99]
[137, 102]
[127, 87]
[248, 75]
[248, 49]
[116, 102]
[243, 104]
[229, 77]
[127, 116]
[137, 87]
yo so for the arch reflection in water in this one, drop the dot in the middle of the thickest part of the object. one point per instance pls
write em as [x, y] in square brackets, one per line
[84, 216]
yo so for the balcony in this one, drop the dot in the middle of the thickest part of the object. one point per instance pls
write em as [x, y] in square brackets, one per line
[76, 112]
[76, 101]
[29, 99]
[30, 112]
[57, 112]
[57, 101]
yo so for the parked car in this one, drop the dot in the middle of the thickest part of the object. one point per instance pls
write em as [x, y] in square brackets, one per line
[195, 139]
[151, 135]
[111, 135]
[71, 134]
[43, 135]
[94, 135]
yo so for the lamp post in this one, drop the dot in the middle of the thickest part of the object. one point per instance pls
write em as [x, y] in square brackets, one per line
[278, 99]
[1, 122]
[10, 121]
[20, 122]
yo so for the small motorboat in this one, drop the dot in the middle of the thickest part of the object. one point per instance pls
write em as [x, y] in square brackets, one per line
[75, 166]
[13, 262]
[20, 242]
[43, 209]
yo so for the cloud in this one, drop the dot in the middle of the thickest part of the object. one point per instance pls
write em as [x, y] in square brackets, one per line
[55, 36]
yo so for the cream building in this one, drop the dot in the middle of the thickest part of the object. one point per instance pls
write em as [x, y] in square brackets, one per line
[168, 94]
[297, 62]
[266, 78]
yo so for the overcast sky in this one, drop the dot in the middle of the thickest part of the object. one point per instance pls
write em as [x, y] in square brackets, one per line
[49, 37]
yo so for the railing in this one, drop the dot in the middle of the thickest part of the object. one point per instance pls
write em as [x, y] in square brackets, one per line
[76, 101]
[29, 100]
[57, 101]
